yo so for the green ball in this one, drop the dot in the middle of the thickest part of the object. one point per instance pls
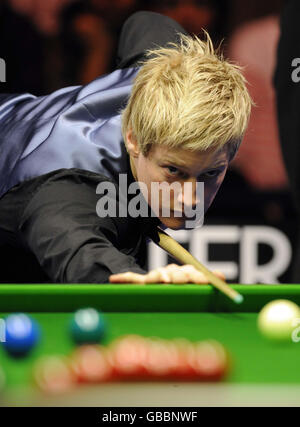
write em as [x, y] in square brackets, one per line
[87, 326]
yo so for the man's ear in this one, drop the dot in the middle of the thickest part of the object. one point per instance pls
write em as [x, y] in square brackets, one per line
[132, 144]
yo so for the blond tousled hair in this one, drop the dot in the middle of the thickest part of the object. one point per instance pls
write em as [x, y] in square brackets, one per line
[187, 95]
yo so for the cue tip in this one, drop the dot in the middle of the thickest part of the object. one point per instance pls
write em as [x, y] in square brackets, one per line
[238, 298]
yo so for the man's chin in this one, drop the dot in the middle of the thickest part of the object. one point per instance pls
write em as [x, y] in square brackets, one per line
[182, 223]
[174, 223]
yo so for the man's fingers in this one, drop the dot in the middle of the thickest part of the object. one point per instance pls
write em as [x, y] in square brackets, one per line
[185, 274]
[159, 275]
[219, 274]
[164, 275]
[128, 277]
[178, 273]
[173, 266]
[196, 276]
[180, 277]
[172, 273]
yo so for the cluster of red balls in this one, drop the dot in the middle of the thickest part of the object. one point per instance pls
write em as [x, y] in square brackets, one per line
[133, 358]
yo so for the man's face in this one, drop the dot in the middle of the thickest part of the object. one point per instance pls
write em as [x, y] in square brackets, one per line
[164, 164]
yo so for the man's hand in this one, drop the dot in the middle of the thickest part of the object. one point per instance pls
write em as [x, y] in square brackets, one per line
[172, 273]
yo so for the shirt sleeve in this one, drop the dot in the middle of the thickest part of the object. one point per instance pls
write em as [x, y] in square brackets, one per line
[71, 242]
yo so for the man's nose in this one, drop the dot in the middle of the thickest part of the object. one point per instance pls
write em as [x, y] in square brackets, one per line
[189, 196]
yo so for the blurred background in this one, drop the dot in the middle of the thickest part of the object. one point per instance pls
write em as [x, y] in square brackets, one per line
[250, 231]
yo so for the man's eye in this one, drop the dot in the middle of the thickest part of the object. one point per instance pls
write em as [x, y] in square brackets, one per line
[177, 173]
[172, 170]
[212, 173]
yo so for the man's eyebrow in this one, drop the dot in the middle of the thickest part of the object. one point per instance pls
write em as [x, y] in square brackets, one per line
[177, 162]
[219, 165]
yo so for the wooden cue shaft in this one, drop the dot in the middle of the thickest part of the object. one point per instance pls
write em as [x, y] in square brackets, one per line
[170, 245]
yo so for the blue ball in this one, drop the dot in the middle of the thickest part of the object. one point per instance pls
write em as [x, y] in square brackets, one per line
[21, 334]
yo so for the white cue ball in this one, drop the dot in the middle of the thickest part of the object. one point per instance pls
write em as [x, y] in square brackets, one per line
[275, 320]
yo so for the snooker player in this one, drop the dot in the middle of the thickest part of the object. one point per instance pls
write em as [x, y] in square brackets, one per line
[179, 115]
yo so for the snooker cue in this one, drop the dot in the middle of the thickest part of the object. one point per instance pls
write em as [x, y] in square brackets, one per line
[170, 245]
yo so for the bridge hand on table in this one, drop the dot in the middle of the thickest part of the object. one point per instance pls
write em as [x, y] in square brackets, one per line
[172, 273]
